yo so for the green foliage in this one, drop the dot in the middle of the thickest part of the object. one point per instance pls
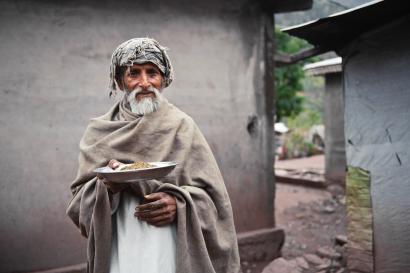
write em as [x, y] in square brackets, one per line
[288, 44]
[288, 102]
[288, 80]
[295, 145]
[305, 119]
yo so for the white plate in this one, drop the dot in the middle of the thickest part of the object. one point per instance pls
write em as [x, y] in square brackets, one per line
[159, 170]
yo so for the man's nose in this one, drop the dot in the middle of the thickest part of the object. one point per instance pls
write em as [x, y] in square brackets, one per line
[144, 83]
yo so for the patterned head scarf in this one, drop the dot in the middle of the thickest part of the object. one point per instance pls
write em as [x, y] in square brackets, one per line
[139, 51]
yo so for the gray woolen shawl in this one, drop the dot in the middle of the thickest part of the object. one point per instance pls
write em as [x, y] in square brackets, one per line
[206, 238]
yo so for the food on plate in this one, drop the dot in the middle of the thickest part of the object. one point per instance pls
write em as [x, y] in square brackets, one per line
[135, 166]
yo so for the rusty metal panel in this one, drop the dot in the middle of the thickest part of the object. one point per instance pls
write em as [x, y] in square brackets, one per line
[359, 248]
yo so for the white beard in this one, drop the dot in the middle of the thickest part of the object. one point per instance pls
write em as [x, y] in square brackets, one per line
[147, 104]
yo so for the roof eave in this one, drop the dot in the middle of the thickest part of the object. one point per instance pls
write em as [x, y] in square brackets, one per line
[337, 30]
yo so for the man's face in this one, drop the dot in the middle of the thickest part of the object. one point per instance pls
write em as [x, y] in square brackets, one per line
[144, 76]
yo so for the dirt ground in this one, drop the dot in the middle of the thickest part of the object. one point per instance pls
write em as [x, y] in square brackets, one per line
[316, 162]
[311, 218]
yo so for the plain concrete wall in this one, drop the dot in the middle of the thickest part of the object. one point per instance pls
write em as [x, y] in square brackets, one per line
[54, 76]
[335, 153]
[377, 127]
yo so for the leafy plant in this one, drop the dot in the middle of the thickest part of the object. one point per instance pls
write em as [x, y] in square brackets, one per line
[296, 146]
[305, 119]
[288, 79]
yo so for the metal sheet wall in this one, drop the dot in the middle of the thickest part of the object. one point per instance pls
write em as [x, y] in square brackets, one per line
[377, 128]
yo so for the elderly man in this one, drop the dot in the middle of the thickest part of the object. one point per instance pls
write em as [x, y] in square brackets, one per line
[178, 224]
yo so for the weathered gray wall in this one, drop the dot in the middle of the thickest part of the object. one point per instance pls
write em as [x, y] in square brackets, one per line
[335, 154]
[377, 115]
[54, 77]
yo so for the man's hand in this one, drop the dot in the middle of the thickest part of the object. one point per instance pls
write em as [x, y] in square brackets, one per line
[114, 164]
[113, 187]
[158, 209]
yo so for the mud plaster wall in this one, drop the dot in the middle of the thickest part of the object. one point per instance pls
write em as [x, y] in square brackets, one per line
[54, 78]
[377, 127]
[335, 154]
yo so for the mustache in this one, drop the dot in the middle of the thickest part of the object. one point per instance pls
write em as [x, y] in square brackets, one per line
[131, 96]
[140, 89]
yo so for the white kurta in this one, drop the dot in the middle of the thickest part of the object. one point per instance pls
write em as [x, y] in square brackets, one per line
[138, 247]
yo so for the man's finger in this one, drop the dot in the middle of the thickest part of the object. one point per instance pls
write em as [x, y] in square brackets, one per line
[161, 218]
[113, 164]
[157, 212]
[163, 223]
[150, 214]
[106, 182]
[154, 196]
[151, 206]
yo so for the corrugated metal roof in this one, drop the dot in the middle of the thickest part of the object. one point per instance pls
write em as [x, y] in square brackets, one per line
[349, 3]
[333, 65]
[338, 29]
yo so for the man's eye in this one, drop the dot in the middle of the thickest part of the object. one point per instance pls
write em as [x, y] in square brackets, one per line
[152, 72]
[134, 73]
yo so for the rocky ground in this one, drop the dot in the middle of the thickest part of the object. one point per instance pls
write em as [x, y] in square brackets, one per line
[314, 221]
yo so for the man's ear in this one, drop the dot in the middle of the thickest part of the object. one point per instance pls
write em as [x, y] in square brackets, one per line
[163, 85]
[120, 84]
[119, 77]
